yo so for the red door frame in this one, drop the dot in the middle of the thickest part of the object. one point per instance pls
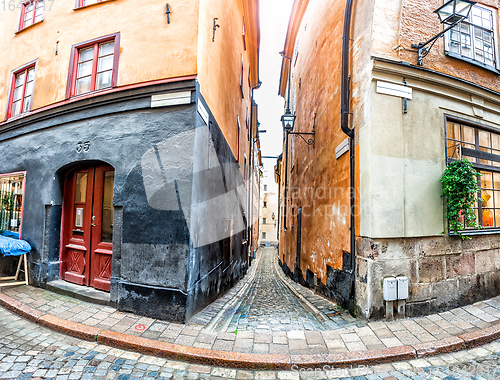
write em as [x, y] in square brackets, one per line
[81, 251]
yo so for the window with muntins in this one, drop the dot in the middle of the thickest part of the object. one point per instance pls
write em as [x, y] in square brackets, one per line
[93, 65]
[31, 13]
[11, 201]
[481, 147]
[473, 39]
[21, 93]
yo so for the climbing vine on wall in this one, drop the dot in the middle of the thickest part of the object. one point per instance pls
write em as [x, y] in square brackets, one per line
[461, 185]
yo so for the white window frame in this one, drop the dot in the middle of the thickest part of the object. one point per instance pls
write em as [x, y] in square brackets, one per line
[473, 60]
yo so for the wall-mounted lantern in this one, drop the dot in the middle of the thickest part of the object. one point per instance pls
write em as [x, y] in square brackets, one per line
[451, 13]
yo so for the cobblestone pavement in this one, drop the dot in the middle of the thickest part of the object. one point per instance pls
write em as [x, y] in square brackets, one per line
[251, 318]
[30, 351]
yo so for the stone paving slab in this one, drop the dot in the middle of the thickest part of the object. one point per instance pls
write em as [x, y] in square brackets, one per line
[233, 332]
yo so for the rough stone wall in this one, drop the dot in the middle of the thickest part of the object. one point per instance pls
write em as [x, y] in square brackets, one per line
[443, 272]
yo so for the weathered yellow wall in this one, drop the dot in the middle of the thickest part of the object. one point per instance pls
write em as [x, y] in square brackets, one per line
[319, 183]
[219, 66]
[150, 49]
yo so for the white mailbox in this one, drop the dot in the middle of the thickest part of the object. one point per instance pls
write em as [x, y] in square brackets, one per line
[390, 289]
[402, 287]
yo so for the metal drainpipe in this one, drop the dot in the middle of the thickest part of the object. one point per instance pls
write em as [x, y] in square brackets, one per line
[344, 125]
[250, 173]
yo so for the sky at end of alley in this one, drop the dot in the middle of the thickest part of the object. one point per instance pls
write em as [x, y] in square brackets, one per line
[274, 16]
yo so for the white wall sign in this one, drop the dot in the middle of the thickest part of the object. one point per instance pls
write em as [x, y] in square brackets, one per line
[203, 112]
[394, 89]
[172, 99]
[342, 148]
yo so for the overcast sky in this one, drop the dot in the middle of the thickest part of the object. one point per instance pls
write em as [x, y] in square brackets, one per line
[274, 16]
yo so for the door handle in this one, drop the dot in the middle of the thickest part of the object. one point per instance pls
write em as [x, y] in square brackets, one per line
[93, 224]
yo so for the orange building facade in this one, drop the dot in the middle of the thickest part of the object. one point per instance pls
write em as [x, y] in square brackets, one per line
[125, 124]
[364, 203]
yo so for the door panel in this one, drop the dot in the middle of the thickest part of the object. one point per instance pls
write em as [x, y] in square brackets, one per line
[87, 229]
[102, 228]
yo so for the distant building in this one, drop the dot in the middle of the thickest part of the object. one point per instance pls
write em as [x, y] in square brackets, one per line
[269, 204]
[128, 136]
[386, 126]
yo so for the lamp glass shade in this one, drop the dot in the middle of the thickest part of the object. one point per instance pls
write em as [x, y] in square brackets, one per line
[287, 120]
[454, 11]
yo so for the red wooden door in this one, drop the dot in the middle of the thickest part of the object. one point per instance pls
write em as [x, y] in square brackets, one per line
[87, 226]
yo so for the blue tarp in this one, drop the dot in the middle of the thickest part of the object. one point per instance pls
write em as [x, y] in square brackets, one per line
[11, 234]
[13, 247]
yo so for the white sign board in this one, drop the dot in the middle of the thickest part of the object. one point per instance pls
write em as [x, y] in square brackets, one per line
[394, 89]
[342, 148]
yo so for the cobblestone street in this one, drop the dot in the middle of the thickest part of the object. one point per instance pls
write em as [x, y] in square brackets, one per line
[29, 351]
[267, 313]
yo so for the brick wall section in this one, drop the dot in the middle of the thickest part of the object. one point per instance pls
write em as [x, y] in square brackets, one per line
[443, 272]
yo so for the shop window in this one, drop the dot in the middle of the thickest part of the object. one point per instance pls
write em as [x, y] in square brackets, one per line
[21, 90]
[93, 65]
[11, 201]
[473, 39]
[480, 146]
[31, 13]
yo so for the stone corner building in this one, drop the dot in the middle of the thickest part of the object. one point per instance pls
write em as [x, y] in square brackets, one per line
[127, 134]
[387, 127]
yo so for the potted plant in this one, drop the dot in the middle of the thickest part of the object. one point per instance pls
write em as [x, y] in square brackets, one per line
[461, 185]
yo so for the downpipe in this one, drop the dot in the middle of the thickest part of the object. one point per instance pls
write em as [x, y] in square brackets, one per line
[344, 125]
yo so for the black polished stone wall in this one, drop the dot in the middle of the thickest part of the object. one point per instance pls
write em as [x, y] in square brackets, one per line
[162, 266]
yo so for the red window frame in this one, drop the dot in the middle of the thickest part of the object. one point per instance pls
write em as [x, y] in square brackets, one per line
[73, 63]
[80, 4]
[23, 69]
[22, 19]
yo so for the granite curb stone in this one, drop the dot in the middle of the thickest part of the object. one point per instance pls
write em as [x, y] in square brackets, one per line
[250, 360]
[481, 337]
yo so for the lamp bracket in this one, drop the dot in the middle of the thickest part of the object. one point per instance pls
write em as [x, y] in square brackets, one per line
[309, 141]
[422, 50]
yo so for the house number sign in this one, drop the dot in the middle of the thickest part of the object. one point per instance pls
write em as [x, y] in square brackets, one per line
[83, 146]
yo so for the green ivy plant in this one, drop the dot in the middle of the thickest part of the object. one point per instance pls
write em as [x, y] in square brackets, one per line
[461, 185]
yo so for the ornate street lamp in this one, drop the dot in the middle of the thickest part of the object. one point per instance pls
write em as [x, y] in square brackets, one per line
[287, 120]
[451, 13]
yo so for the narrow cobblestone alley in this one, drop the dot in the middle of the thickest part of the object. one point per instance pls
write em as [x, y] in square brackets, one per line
[269, 304]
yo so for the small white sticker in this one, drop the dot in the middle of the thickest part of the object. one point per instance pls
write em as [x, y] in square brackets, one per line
[13, 222]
